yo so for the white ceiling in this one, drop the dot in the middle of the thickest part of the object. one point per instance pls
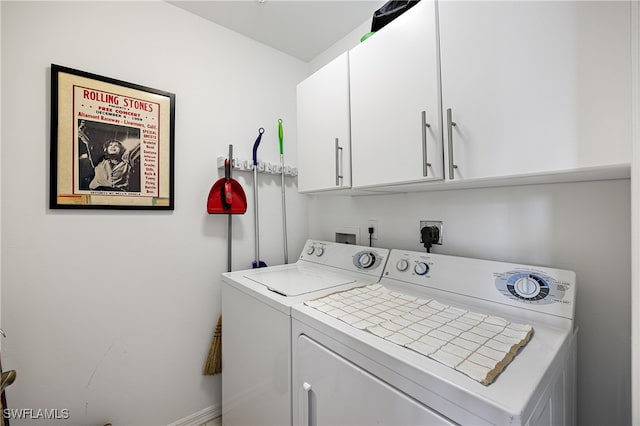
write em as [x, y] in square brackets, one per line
[300, 28]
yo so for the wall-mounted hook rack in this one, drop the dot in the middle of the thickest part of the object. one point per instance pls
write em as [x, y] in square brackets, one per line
[241, 165]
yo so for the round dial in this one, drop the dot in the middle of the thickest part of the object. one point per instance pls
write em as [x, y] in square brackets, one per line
[320, 251]
[421, 268]
[366, 260]
[310, 250]
[402, 265]
[528, 286]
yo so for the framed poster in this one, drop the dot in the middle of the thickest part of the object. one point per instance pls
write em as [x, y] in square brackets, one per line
[112, 143]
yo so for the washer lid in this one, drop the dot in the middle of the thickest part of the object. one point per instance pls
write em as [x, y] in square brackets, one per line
[297, 281]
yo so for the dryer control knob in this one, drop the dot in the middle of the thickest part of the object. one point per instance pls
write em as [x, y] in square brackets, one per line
[320, 251]
[310, 250]
[529, 286]
[421, 268]
[402, 265]
[366, 260]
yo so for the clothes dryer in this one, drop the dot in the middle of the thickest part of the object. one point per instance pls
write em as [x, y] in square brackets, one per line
[439, 340]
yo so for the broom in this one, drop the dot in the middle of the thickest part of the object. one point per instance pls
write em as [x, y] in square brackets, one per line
[231, 204]
[213, 365]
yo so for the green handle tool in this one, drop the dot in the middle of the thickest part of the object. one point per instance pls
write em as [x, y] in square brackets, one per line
[284, 205]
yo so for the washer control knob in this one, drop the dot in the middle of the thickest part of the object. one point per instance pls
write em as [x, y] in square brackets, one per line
[527, 287]
[402, 265]
[421, 268]
[366, 259]
[310, 250]
[320, 251]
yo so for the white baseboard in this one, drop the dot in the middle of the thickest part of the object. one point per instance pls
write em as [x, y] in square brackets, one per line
[201, 417]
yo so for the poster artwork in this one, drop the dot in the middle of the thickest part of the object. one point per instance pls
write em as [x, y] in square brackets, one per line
[112, 143]
[118, 151]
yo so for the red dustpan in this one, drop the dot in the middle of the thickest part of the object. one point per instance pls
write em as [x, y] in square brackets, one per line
[226, 195]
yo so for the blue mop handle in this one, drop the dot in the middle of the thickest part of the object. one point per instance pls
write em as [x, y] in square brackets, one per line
[255, 146]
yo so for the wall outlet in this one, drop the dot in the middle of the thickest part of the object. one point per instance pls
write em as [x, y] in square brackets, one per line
[437, 223]
[373, 223]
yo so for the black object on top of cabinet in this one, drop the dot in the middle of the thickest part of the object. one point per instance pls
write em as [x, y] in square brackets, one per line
[390, 11]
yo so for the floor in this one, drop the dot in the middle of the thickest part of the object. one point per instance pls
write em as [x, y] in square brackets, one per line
[215, 422]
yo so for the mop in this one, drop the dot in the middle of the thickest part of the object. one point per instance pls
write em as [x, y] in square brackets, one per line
[257, 263]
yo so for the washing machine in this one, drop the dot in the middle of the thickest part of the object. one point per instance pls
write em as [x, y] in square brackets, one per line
[256, 324]
[440, 340]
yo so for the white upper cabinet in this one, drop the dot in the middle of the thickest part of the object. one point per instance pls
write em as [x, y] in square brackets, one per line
[471, 93]
[535, 87]
[324, 147]
[394, 87]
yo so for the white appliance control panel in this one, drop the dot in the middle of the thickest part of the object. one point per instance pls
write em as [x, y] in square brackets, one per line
[367, 260]
[531, 286]
[540, 289]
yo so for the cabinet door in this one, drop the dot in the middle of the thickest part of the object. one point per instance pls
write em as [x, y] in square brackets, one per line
[324, 143]
[330, 390]
[535, 86]
[394, 80]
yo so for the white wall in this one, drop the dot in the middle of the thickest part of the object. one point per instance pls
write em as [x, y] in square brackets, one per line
[635, 212]
[347, 42]
[0, 183]
[584, 227]
[110, 314]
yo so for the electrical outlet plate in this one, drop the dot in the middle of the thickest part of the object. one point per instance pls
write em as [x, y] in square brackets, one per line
[437, 223]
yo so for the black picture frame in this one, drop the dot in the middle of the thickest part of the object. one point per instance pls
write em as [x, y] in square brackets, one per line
[112, 143]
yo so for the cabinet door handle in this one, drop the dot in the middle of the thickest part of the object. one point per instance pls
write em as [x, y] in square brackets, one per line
[338, 163]
[450, 124]
[425, 162]
[307, 401]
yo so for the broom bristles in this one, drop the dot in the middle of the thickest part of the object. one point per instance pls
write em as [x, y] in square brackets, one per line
[213, 365]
